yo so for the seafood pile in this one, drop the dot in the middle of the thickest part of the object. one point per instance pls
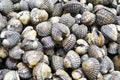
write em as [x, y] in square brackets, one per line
[59, 39]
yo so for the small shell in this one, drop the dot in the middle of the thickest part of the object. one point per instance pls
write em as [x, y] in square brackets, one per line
[44, 28]
[67, 19]
[106, 65]
[59, 31]
[60, 52]
[77, 74]
[57, 62]
[49, 52]
[46, 59]
[23, 71]
[91, 68]
[93, 1]
[72, 60]
[41, 71]
[57, 10]
[110, 32]
[116, 61]
[3, 22]
[80, 31]
[77, 18]
[38, 15]
[10, 38]
[15, 25]
[55, 19]
[95, 37]
[29, 32]
[32, 57]
[84, 57]
[12, 75]
[29, 43]
[72, 7]
[3, 52]
[82, 47]
[3, 73]
[23, 5]
[24, 17]
[16, 52]
[11, 63]
[48, 42]
[113, 48]
[95, 52]
[61, 75]
[69, 42]
[40, 46]
[104, 17]
[88, 18]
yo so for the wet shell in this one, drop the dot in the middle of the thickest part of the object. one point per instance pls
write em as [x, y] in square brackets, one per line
[82, 47]
[95, 37]
[38, 15]
[106, 65]
[72, 60]
[95, 52]
[3, 52]
[49, 52]
[32, 57]
[69, 42]
[3, 22]
[29, 32]
[29, 43]
[57, 62]
[41, 71]
[57, 10]
[15, 25]
[59, 31]
[10, 38]
[23, 71]
[104, 17]
[48, 42]
[113, 48]
[61, 75]
[24, 17]
[12, 75]
[72, 7]
[110, 32]
[44, 28]
[80, 31]
[116, 61]
[67, 19]
[88, 18]
[91, 68]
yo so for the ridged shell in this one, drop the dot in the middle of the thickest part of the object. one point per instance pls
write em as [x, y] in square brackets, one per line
[12, 75]
[95, 52]
[3, 52]
[38, 15]
[91, 68]
[49, 52]
[72, 60]
[10, 38]
[116, 61]
[59, 31]
[61, 75]
[23, 71]
[95, 37]
[106, 65]
[32, 57]
[110, 32]
[72, 7]
[24, 17]
[48, 42]
[67, 19]
[57, 10]
[44, 28]
[82, 47]
[16, 52]
[88, 18]
[15, 25]
[41, 71]
[46, 59]
[80, 31]
[3, 22]
[57, 62]
[113, 48]
[104, 17]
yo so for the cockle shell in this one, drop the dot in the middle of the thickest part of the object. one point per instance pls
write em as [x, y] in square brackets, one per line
[3, 22]
[72, 60]
[3, 73]
[49, 52]
[113, 48]
[3, 52]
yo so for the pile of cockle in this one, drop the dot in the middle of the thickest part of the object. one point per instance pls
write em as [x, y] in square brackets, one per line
[59, 39]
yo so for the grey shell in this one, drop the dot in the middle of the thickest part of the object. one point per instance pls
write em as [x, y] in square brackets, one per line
[3, 22]
[113, 48]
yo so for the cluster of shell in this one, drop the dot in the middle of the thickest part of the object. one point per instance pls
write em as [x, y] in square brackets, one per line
[59, 39]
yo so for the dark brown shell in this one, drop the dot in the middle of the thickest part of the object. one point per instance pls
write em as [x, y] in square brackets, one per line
[69, 42]
[91, 68]
[80, 31]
